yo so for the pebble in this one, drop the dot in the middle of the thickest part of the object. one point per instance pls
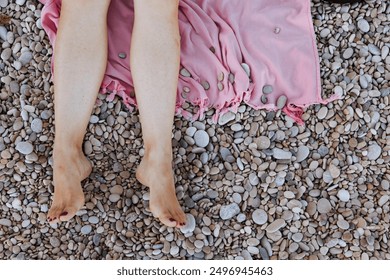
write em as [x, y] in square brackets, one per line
[24, 148]
[302, 153]
[324, 206]
[363, 25]
[3, 3]
[26, 58]
[322, 113]
[36, 125]
[281, 154]
[225, 118]
[374, 152]
[259, 217]
[189, 226]
[263, 142]
[5, 222]
[281, 102]
[86, 229]
[347, 54]
[343, 195]
[93, 220]
[275, 225]
[268, 89]
[229, 211]
[201, 138]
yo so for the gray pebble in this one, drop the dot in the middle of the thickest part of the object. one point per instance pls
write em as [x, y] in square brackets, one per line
[281, 154]
[363, 25]
[275, 225]
[343, 195]
[201, 138]
[347, 54]
[24, 148]
[86, 229]
[93, 220]
[5, 222]
[3, 31]
[262, 142]
[36, 125]
[267, 89]
[303, 153]
[374, 152]
[259, 216]
[229, 211]
[281, 102]
[25, 58]
[225, 118]
[6, 54]
[189, 226]
[324, 206]
[55, 242]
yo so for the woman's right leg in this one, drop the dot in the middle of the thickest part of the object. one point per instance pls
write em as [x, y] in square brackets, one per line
[79, 65]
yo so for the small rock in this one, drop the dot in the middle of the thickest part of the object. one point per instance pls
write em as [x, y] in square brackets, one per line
[382, 201]
[347, 54]
[322, 113]
[201, 138]
[86, 229]
[276, 225]
[363, 25]
[281, 154]
[24, 148]
[374, 151]
[259, 216]
[225, 118]
[302, 153]
[25, 58]
[93, 220]
[5, 222]
[229, 211]
[262, 142]
[189, 226]
[281, 102]
[343, 195]
[36, 125]
[324, 206]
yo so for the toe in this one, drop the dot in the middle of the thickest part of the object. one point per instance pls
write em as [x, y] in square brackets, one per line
[54, 214]
[168, 221]
[67, 214]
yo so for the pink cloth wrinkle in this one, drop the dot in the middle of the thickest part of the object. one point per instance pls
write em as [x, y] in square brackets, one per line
[274, 38]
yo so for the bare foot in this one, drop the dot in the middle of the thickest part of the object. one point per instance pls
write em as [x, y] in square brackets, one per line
[70, 168]
[158, 176]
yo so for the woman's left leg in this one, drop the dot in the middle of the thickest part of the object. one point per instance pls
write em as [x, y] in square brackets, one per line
[154, 61]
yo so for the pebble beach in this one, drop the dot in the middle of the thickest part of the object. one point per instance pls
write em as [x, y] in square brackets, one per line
[255, 185]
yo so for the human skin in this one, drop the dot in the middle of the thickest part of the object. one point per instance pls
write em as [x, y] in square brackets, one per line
[80, 62]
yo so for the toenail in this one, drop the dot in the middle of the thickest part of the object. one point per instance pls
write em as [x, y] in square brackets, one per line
[172, 220]
[64, 213]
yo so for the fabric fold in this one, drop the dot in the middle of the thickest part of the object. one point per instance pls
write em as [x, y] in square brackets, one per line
[230, 50]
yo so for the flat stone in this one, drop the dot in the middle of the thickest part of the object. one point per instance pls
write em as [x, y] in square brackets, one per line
[25, 58]
[302, 153]
[36, 125]
[190, 131]
[229, 211]
[347, 54]
[383, 200]
[343, 195]
[276, 225]
[363, 25]
[189, 226]
[281, 154]
[281, 102]
[86, 229]
[93, 220]
[246, 68]
[324, 206]
[374, 152]
[267, 89]
[259, 217]
[185, 73]
[5, 222]
[201, 138]
[24, 148]
[262, 142]
[334, 171]
[322, 113]
[225, 118]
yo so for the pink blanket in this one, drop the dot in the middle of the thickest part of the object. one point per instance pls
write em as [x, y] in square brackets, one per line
[232, 51]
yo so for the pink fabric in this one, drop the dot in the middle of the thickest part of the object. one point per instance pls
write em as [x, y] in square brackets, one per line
[240, 32]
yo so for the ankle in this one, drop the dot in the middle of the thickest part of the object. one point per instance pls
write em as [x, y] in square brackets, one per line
[66, 150]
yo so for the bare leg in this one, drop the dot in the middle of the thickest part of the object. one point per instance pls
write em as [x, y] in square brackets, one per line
[80, 63]
[155, 60]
